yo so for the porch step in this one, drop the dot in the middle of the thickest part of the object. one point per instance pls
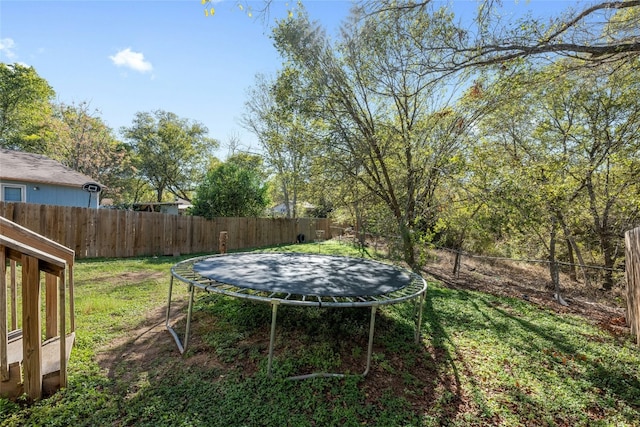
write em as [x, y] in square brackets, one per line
[50, 363]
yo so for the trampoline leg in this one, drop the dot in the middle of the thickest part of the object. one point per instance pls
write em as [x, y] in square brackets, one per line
[166, 323]
[419, 320]
[175, 336]
[188, 329]
[372, 327]
[274, 313]
[169, 302]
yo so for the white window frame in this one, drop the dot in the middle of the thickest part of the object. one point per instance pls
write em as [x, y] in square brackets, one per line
[22, 187]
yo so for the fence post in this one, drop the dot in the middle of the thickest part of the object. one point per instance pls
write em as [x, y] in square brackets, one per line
[632, 272]
[222, 242]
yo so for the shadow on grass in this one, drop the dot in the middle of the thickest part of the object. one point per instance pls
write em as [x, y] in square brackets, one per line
[222, 379]
[525, 365]
[602, 372]
[450, 362]
[482, 361]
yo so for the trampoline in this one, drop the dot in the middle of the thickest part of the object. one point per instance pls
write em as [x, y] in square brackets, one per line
[301, 279]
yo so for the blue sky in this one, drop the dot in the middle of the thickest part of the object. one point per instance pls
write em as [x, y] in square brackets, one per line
[129, 56]
[126, 56]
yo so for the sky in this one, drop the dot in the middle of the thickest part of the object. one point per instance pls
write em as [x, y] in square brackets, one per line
[124, 57]
[128, 56]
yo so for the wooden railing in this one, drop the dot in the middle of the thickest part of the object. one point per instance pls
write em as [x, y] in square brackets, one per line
[41, 361]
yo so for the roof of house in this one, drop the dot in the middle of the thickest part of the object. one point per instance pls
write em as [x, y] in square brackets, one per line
[29, 167]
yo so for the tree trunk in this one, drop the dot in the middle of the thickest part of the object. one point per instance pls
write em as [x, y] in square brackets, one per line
[609, 260]
[553, 264]
[407, 247]
[458, 248]
[456, 264]
[285, 195]
[601, 227]
[574, 249]
[358, 230]
[572, 262]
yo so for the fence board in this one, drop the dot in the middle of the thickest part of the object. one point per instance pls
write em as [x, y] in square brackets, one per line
[67, 226]
[113, 233]
[632, 272]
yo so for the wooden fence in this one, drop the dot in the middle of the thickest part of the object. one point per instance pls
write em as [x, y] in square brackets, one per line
[93, 233]
[632, 266]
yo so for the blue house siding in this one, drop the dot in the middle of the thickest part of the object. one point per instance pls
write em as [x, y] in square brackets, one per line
[50, 194]
[34, 178]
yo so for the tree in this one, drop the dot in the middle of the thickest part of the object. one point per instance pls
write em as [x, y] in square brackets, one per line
[83, 142]
[561, 155]
[519, 178]
[600, 32]
[389, 126]
[277, 115]
[595, 115]
[25, 99]
[231, 189]
[603, 32]
[171, 153]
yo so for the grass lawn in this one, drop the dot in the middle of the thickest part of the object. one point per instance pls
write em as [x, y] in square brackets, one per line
[483, 360]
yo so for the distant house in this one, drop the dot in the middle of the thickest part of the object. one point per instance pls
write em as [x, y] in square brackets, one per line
[33, 178]
[179, 207]
[304, 209]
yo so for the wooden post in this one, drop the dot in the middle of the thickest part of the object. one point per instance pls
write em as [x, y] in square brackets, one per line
[222, 243]
[51, 305]
[63, 333]
[31, 341]
[4, 333]
[14, 293]
[72, 316]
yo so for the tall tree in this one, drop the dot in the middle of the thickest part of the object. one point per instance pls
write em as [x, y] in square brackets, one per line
[234, 188]
[25, 106]
[171, 153]
[83, 142]
[604, 31]
[564, 153]
[519, 176]
[594, 116]
[388, 125]
[277, 115]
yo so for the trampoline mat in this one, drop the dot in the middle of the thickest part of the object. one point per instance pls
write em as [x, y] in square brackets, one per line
[304, 274]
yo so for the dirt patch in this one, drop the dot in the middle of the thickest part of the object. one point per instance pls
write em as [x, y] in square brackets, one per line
[150, 345]
[139, 276]
[110, 279]
[140, 347]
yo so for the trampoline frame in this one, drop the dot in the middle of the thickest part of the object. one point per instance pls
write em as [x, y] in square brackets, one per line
[184, 272]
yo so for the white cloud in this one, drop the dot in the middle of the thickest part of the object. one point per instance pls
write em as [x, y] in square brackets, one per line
[134, 60]
[6, 48]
